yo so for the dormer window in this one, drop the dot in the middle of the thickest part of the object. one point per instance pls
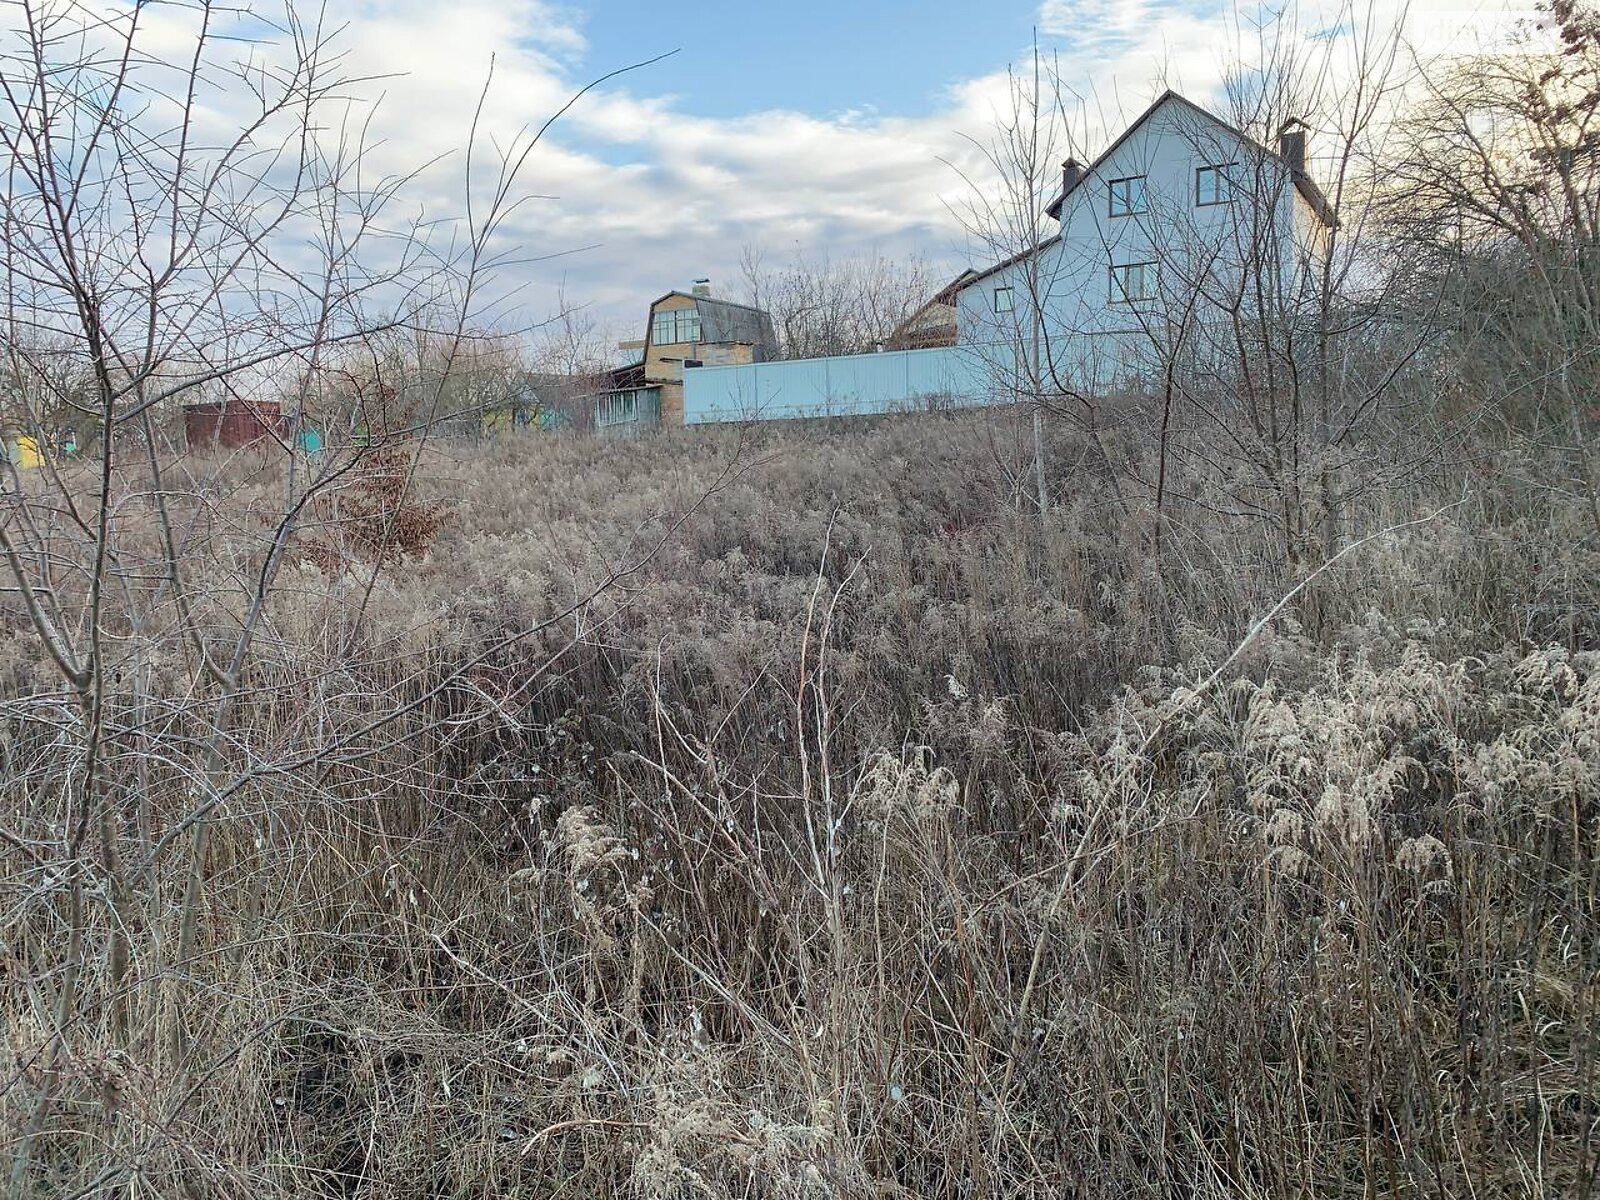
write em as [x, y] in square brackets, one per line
[1004, 300]
[1127, 196]
[1213, 185]
[675, 327]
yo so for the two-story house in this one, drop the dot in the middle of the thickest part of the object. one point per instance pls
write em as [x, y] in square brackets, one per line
[690, 329]
[1182, 234]
[1186, 244]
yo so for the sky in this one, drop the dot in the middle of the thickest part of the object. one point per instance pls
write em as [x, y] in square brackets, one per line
[832, 128]
[828, 58]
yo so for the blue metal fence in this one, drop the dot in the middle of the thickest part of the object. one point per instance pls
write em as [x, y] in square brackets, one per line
[903, 380]
[847, 385]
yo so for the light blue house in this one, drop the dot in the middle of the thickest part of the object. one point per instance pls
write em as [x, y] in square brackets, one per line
[1182, 232]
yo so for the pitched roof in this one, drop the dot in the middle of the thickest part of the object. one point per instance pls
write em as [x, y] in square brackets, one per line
[725, 322]
[979, 276]
[1303, 183]
[945, 298]
[947, 294]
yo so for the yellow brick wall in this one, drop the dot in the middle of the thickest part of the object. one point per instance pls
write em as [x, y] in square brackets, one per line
[669, 375]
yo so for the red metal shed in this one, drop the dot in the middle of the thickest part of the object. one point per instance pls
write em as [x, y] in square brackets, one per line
[231, 423]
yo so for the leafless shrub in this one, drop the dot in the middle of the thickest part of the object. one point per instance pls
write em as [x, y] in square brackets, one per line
[779, 813]
[732, 882]
[820, 306]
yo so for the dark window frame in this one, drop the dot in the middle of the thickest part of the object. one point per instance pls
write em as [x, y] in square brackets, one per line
[1223, 171]
[1011, 300]
[682, 320]
[1116, 294]
[1111, 197]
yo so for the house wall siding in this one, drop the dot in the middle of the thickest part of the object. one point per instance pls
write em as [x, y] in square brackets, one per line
[1205, 256]
[1065, 330]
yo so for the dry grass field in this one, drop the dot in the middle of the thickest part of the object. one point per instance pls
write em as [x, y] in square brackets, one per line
[789, 813]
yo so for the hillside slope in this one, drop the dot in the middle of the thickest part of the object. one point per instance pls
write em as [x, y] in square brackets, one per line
[795, 813]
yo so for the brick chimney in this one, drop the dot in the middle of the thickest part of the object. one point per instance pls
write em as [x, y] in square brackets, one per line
[702, 287]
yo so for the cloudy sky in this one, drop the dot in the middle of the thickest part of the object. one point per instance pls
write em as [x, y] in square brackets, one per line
[836, 127]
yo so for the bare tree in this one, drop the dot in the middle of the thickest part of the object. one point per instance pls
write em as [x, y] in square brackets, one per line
[1270, 333]
[1497, 188]
[1283, 337]
[825, 306]
[152, 252]
[161, 254]
[569, 365]
[1005, 217]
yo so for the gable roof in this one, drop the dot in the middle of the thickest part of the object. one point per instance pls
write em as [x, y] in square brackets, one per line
[1303, 183]
[947, 294]
[944, 298]
[725, 322]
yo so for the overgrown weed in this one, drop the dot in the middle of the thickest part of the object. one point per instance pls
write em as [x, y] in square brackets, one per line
[869, 840]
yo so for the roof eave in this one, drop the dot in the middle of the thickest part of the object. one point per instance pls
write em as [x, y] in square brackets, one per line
[1312, 195]
[980, 276]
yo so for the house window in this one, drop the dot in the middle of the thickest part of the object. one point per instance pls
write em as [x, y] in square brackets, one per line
[675, 327]
[619, 408]
[1127, 196]
[1133, 281]
[1213, 185]
[1004, 300]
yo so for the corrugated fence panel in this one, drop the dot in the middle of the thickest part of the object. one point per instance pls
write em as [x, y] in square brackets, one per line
[907, 380]
[848, 385]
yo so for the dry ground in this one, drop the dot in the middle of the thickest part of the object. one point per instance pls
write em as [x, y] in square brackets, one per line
[866, 836]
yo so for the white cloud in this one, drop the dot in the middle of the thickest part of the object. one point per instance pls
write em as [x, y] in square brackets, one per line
[641, 195]
[1096, 23]
[662, 195]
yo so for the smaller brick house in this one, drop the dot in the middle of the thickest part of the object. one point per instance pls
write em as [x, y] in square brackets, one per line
[685, 330]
